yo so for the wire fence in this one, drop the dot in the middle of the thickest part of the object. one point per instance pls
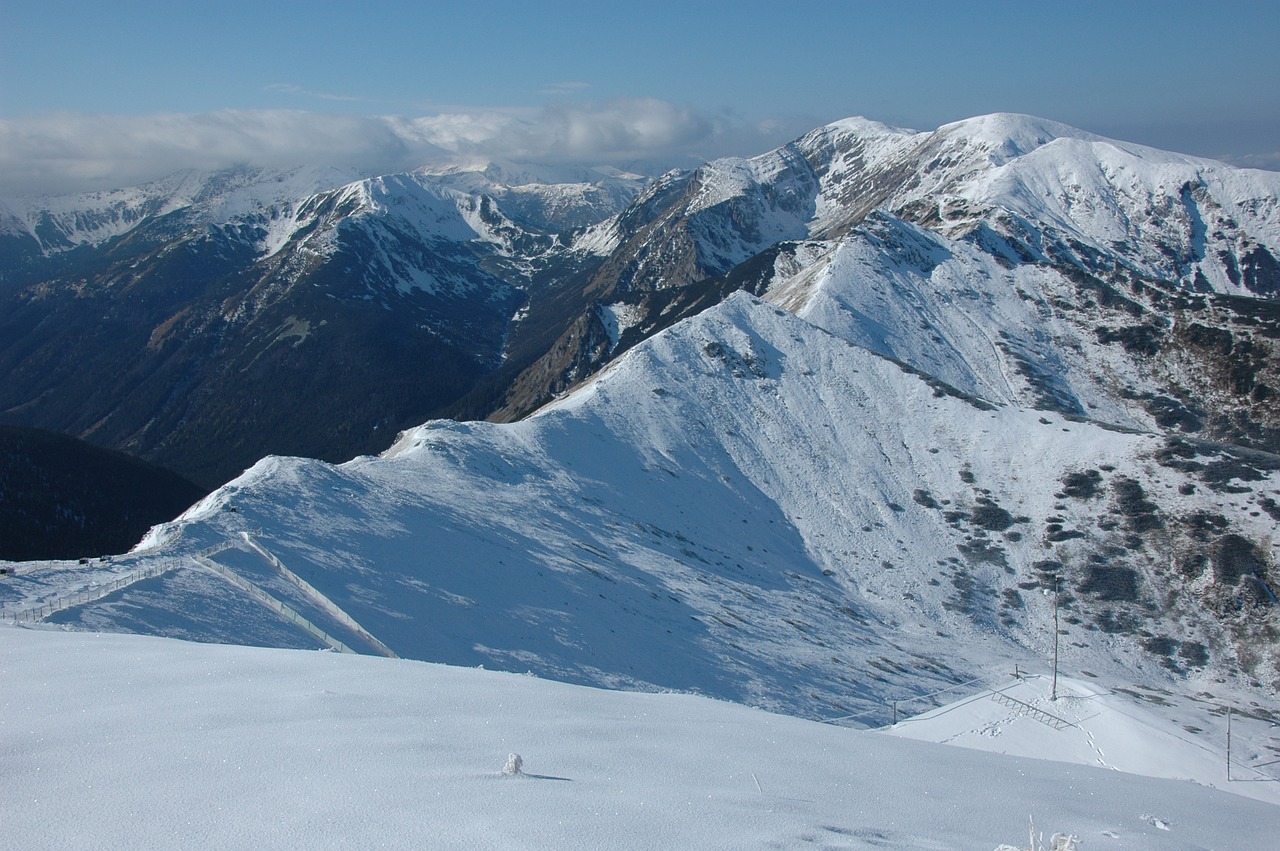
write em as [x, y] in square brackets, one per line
[275, 605]
[320, 599]
[201, 559]
[1257, 747]
[92, 593]
[896, 707]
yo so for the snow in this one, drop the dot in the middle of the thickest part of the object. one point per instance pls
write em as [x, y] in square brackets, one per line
[110, 741]
[730, 509]
[1006, 136]
[1073, 187]
[211, 197]
[955, 312]
[1155, 734]
[735, 493]
[618, 318]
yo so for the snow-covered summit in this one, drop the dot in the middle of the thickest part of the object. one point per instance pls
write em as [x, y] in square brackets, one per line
[1008, 135]
[1060, 194]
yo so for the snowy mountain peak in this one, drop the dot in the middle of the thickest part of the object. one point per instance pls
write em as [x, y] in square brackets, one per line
[858, 125]
[1007, 135]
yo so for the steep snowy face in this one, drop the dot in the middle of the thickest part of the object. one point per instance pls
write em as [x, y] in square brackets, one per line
[748, 507]
[409, 234]
[687, 227]
[694, 225]
[955, 312]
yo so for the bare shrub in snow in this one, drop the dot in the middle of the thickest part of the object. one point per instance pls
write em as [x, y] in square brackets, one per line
[1057, 842]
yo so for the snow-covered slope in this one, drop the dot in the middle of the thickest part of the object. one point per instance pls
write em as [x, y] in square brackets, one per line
[1064, 194]
[748, 507]
[1169, 216]
[1152, 732]
[120, 742]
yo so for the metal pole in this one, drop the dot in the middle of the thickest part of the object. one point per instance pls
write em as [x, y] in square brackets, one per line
[1228, 744]
[1053, 694]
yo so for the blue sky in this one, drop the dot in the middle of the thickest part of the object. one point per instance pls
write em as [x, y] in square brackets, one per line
[612, 81]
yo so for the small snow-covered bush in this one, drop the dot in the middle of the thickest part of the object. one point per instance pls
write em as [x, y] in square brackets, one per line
[514, 764]
[1057, 842]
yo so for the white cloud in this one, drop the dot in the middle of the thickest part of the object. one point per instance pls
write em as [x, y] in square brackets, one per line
[1268, 161]
[564, 89]
[610, 131]
[74, 151]
[292, 89]
[66, 152]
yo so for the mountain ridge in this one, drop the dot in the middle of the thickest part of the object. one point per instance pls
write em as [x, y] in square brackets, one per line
[806, 526]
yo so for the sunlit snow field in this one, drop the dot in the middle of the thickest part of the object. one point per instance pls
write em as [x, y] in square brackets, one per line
[112, 741]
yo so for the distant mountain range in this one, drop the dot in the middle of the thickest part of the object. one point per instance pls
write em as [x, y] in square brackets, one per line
[204, 321]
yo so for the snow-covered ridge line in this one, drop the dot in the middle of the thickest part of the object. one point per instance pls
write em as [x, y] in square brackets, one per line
[738, 471]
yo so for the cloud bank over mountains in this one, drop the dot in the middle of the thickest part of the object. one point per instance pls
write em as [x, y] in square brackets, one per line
[73, 152]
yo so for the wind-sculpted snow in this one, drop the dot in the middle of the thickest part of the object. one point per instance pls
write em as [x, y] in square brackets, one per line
[744, 506]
